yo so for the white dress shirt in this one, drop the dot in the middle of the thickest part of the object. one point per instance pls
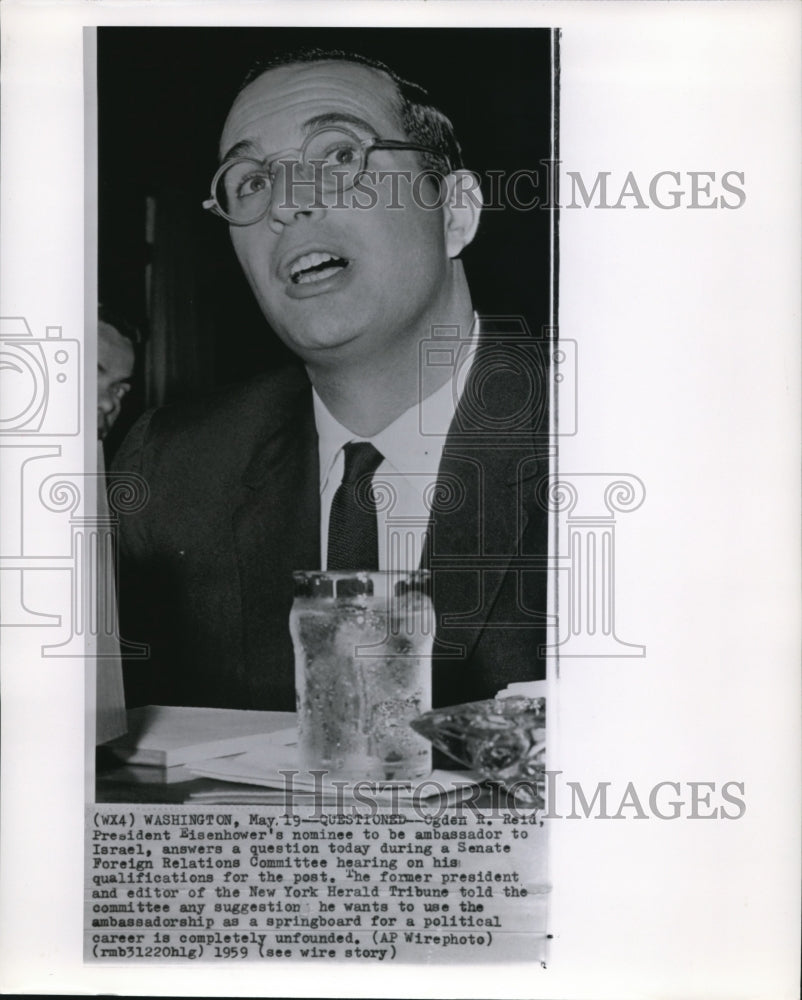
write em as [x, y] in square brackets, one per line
[412, 446]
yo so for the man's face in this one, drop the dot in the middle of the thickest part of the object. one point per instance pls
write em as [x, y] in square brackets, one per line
[396, 266]
[115, 366]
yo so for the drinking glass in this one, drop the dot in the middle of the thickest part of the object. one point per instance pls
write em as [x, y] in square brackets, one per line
[363, 643]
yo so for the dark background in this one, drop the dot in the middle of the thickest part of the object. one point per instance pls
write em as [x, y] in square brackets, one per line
[163, 94]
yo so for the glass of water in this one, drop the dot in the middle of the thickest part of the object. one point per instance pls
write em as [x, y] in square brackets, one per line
[363, 643]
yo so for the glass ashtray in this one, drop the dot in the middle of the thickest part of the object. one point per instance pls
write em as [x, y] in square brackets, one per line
[501, 739]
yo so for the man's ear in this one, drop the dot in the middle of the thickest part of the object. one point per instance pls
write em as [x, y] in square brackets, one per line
[462, 206]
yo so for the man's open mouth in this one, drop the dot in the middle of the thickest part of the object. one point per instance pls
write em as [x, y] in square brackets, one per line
[315, 266]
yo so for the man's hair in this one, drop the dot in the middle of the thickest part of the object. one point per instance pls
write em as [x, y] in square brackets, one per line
[121, 323]
[423, 123]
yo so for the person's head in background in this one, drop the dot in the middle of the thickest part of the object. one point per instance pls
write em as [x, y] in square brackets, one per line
[116, 358]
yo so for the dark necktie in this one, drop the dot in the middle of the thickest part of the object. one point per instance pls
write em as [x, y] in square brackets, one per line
[353, 533]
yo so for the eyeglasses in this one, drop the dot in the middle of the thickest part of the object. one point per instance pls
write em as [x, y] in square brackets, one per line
[334, 159]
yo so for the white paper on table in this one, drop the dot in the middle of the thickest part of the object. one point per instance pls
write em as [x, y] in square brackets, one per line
[524, 689]
[265, 766]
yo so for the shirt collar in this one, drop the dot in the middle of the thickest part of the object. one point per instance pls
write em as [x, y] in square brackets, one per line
[331, 437]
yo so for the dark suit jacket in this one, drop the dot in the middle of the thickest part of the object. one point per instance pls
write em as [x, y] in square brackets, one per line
[206, 565]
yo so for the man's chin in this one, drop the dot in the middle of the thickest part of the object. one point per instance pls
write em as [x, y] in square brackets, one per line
[321, 337]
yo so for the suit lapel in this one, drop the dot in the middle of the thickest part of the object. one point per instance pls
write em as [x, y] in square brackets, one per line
[277, 531]
[487, 459]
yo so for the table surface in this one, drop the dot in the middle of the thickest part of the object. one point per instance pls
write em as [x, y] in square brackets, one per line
[116, 782]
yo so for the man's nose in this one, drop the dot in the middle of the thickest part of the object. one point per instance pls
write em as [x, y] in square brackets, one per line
[295, 193]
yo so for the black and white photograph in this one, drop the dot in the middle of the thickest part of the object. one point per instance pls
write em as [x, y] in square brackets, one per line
[328, 572]
[399, 431]
[394, 312]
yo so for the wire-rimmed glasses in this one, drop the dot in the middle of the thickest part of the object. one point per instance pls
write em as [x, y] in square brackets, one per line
[331, 158]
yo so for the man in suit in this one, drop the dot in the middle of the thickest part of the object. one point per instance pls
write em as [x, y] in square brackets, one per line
[348, 209]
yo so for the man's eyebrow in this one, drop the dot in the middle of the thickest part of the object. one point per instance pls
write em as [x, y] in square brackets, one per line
[245, 147]
[338, 118]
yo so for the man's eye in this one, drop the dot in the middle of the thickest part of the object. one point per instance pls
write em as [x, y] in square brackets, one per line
[342, 155]
[251, 185]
